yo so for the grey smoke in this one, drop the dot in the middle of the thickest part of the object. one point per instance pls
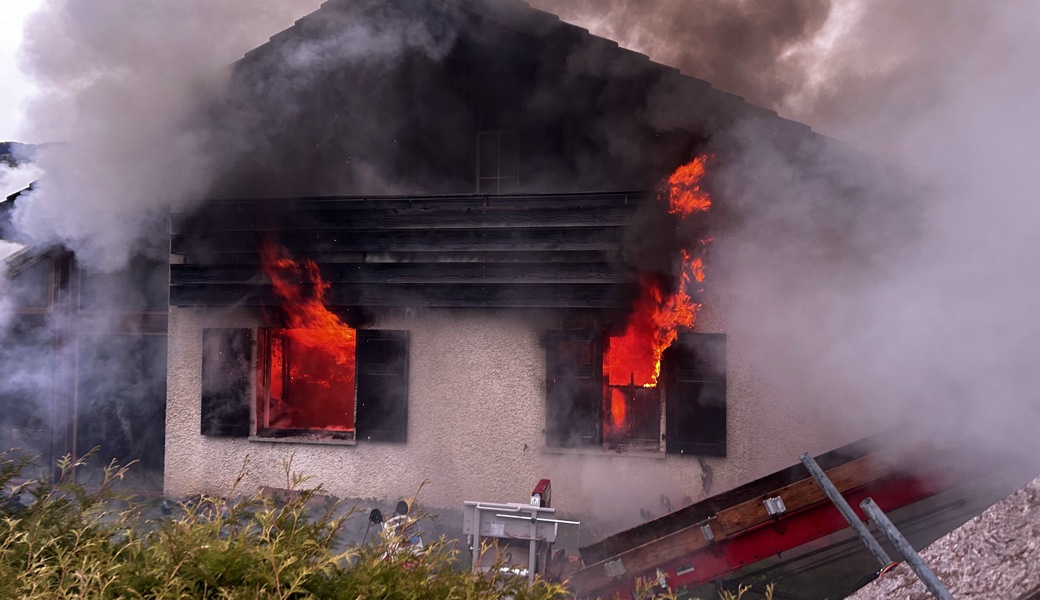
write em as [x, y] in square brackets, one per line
[926, 315]
[749, 48]
[892, 287]
[830, 64]
[123, 84]
[921, 307]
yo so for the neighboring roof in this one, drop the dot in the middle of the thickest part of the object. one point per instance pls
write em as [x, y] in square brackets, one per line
[15, 153]
[7, 211]
[995, 555]
[532, 22]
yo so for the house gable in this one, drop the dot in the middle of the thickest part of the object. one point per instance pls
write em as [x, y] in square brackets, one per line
[363, 98]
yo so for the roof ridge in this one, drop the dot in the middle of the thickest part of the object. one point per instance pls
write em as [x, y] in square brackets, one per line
[520, 16]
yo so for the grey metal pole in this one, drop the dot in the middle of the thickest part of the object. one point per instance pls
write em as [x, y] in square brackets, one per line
[846, 510]
[912, 557]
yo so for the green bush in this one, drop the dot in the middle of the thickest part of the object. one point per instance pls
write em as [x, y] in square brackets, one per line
[58, 540]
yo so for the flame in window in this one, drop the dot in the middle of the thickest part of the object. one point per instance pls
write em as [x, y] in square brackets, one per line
[634, 357]
[312, 359]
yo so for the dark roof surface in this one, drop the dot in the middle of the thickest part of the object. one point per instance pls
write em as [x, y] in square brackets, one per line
[526, 20]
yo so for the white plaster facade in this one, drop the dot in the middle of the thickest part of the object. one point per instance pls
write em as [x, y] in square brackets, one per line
[476, 428]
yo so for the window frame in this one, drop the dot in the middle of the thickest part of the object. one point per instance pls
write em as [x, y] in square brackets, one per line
[266, 337]
[493, 184]
[233, 366]
[672, 409]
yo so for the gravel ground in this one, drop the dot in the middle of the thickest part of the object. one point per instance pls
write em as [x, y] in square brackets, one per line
[995, 555]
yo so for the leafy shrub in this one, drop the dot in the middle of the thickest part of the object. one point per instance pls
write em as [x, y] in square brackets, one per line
[58, 540]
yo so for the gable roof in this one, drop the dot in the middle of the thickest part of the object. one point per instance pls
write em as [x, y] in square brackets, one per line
[561, 248]
[609, 57]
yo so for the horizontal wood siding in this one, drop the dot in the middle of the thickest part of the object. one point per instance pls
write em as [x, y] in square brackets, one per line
[408, 272]
[560, 250]
[470, 239]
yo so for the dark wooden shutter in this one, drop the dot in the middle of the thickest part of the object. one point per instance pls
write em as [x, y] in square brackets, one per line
[574, 389]
[227, 362]
[382, 385]
[695, 384]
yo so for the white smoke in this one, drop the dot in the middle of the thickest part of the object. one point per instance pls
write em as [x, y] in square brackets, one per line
[920, 311]
[123, 85]
[16, 178]
[934, 323]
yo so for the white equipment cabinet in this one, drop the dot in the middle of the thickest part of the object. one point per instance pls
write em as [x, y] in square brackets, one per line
[526, 529]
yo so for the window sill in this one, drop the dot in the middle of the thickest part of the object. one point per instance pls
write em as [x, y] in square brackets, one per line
[308, 438]
[608, 451]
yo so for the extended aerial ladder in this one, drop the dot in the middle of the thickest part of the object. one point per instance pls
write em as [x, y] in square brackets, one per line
[723, 534]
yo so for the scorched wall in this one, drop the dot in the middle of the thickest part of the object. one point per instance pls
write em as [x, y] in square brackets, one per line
[476, 420]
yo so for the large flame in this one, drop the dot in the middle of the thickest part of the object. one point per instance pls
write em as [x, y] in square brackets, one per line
[685, 195]
[321, 347]
[634, 357]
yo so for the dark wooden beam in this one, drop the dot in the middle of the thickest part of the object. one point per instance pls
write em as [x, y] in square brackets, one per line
[483, 239]
[456, 202]
[287, 218]
[453, 272]
[539, 295]
[251, 256]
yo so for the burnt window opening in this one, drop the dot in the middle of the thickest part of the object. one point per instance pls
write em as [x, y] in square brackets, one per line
[301, 392]
[498, 162]
[304, 387]
[686, 410]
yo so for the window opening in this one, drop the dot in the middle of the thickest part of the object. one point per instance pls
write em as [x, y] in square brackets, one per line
[307, 382]
[683, 413]
[498, 162]
[307, 370]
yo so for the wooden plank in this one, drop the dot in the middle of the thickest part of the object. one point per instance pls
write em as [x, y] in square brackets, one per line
[251, 256]
[459, 272]
[461, 201]
[496, 239]
[287, 218]
[801, 494]
[424, 295]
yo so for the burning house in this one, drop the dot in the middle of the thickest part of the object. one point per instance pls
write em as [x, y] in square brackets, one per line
[461, 242]
[464, 243]
[404, 276]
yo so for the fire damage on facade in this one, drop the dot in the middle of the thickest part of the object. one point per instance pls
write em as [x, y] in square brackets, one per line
[490, 301]
[402, 275]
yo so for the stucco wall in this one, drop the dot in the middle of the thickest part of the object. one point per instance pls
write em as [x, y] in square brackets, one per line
[475, 430]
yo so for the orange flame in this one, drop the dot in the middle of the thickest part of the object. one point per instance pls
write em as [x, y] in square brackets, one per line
[634, 357]
[301, 291]
[685, 195]
[321, 371]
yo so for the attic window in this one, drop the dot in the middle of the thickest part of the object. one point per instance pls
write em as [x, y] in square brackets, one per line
[304, 387]
[583, 410]
[498, 162]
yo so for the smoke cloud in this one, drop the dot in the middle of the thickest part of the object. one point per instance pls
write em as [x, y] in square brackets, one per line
[832, 65]
[756, 49]
[898, 284]
[899, 288]
[894, 286]
[123, 85]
